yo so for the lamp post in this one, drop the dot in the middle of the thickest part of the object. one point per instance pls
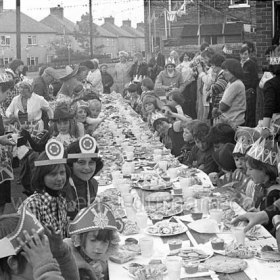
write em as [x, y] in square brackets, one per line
[69, 53]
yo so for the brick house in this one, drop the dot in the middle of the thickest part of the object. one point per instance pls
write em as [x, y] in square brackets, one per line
[35, 39]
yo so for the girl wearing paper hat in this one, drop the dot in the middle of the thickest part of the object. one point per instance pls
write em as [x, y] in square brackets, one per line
[34, 255]
[50, 175]
[84, 162]
[94, 238]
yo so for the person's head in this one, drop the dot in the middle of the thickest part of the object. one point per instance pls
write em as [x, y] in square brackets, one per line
[207, 54]
[61, 119]
[25, 89]
[187, 135]
[216, 62]
[52, 176]
[240, 161]
[123, 56]
[161, 125]
[17, 66]
[269, 54]
[132, 89]
[167, 110]
[103, 68]
[88, 64]
[203, 46]
[10, 73]
[98, 239]
[95, 62]
[6, 85]
[224, 158]
[174, 55]
[250, 45]
[186, 56]
[150, 104]
[95, 107]
[83, 167]
[82, 111]
[244, 53]
[82, 73]
[175, 98]
[220, 134]
[170, 67]
[200, 131]
[42, 69]
[260, 172]
[232, 69]
[17, 265]
[147, 84]
[138, 57]
[49, 75]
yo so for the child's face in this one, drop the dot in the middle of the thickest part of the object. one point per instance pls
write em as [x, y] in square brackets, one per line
[95, 108]
[103, 69]
[149, 107]
[84, 168]
[57, 178]
[94, 248]
[240, 162]
[162, 128]
[258, 176]
[201, 145]
[63, 126]
[187, 135]
[81, 115]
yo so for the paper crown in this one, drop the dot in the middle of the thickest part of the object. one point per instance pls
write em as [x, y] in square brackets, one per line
[275, 57]
[82, 104]
[55, 152]
[170, 60]
[265, 150]
[97, 216]
[138, 79]
[227, 50]
[9, 245]
[3, 77]
[87, 146]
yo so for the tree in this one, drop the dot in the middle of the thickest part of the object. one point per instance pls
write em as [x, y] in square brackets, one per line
[83, 33]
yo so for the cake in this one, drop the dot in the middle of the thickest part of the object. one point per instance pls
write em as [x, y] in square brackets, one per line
[191, 267]
[217, 244]
[196, 215]
[175, 245]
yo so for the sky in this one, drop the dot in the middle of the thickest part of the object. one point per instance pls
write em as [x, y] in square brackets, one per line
[73, 9]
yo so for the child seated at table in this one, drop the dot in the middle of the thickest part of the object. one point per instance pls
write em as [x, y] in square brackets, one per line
[201, 154]
[151, 109]
[94, 238]
[93, 120]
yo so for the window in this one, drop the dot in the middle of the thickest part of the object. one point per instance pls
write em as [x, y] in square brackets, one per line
[5, 40]
[5, 61]
[32, 60]
[239, 4]
[32, 40]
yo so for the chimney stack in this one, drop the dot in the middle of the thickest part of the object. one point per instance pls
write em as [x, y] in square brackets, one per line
[57, 11]
[110, 20]
[140, 25]
[127, 22]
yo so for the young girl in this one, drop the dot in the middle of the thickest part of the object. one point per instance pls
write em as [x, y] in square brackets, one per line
[151, 109]
[262, 168]
[82, 112]
[94, 239]
[85, 163]
[50, 176]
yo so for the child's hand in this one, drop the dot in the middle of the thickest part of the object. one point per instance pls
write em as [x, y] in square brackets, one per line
[213, 176]
[248, 203]
[35, 248]
[55, 239]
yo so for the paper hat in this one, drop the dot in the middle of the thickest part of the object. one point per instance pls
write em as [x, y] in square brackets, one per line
[265, 150]
[54, 151]
[97, 216]
[170, 61]
[10, 71]
[69, 73]
[82, 104]
[227, 50]
[275, 57]
[138, 79]
[88, 146]
[3, 77]
[9, 244]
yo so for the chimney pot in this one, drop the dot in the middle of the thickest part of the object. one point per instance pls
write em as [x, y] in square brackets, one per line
[57, 11]
[110, 20]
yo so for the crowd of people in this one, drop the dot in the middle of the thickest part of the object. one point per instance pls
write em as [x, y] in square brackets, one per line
[202, 107]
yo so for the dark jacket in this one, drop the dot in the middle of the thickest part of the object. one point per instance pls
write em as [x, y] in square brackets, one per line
[107, 81]
[250, 75]
[41, 88]
[138, 69]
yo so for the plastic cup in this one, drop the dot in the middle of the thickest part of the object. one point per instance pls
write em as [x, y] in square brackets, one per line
[216, 214]
[174, 265]
[146, 245]
[239, 234]
[172, 172]
[127, 199]
[163, 165]
[187, 192]
[141, 219]
[185, 182]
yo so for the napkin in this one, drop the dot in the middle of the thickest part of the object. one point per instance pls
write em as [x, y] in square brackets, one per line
[204, 226]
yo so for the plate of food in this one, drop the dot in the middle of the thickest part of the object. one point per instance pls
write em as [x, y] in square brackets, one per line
[149, 186]
[165, 228]
[155, 267]
[194, 254]
[122, 256]
[268, 254]
[166, 209]
[159, 197]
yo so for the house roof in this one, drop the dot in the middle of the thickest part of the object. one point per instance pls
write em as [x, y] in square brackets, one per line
[60, 25]
[102, 32]
[134, 32]
[189, 30]
[211, 29]
[112, 28]
[27, 24]
[233, 28]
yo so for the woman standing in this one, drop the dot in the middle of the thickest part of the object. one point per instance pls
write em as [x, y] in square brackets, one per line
[94, 78]
[232, 107]
[28, 106]
[121, 72]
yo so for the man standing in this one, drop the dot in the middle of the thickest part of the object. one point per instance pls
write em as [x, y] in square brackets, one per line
[156, 64]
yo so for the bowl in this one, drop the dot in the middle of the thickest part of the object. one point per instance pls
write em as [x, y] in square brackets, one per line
[197, 215]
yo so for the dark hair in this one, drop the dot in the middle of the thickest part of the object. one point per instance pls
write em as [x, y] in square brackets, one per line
[103, 235]
[234, 67]
[217, 60]
[8, 224]
[74, 148]
[200, 131]
[177, 96]
[148, 83]
[208, 52]
[24, 70]
[250, 45]
[172, 108]
[203, 46]
[89, 64]
[15, 64]
[190, 55]
[270, 49]
[221, 133]
[159, 121]
[37, 180]
[42, 69]
[270, 170]
[7, 85]
[244, 49]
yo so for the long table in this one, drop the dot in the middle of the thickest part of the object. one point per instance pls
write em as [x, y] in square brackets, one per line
[257, 270]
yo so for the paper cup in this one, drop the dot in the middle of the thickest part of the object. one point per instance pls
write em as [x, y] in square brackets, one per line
[146, 244]
[239, 234]
[173, 265]
[216, 214]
